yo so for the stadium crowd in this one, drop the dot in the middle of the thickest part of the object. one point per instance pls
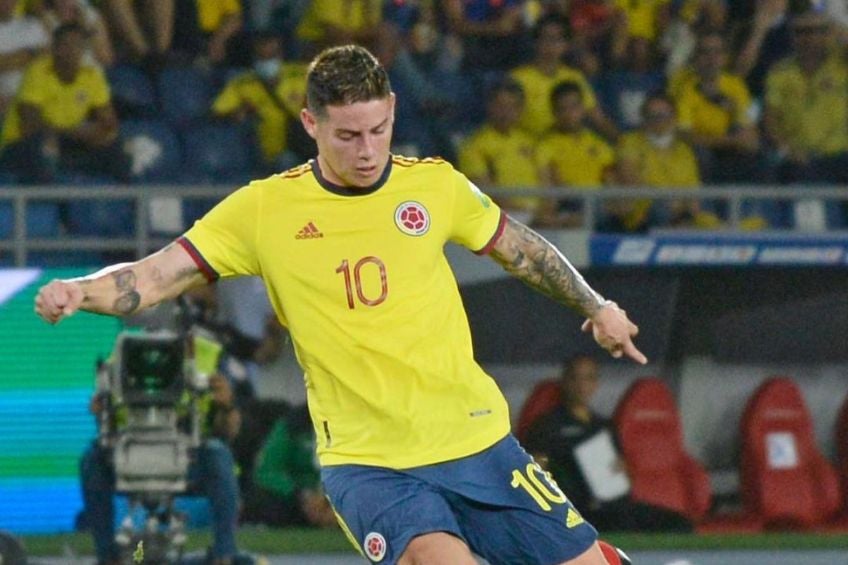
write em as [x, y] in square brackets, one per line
[519, 94]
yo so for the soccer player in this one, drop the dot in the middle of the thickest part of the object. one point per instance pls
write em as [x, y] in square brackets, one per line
[413, 437]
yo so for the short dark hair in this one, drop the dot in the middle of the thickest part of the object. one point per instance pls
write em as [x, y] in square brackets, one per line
[344, 75]
[508, 85]
[65, 29]
[565, 88]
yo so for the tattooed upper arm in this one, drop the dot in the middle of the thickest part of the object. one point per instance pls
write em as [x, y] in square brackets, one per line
[530, 257]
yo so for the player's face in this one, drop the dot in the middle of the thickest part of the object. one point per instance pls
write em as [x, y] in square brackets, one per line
[353, 140]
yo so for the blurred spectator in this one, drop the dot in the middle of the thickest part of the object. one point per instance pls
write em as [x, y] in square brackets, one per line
[555, 438]
[687, 19]
[571, 155]
[539, 78]
[334, 22]
[22, 39]
[715, 107]
[62, 117]
[767, 39]
[272, 93]
[499, 154]
[205, 28]
[59, 12]
[599, 32]
[286, 487]
[145, 28]
[655, 156]
[432, 95]
[806, 114]
[623, 91]
[493, 33]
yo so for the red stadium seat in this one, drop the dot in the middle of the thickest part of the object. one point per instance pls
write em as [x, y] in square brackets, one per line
[542, 399]
[651, 436]
[785, 479]
[841, 437]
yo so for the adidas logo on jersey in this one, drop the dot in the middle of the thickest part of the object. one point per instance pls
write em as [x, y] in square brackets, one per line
[309, 231]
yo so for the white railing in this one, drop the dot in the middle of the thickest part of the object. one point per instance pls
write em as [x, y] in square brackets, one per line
[144, 240]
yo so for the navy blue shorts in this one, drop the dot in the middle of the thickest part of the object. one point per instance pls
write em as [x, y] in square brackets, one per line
[499, 501]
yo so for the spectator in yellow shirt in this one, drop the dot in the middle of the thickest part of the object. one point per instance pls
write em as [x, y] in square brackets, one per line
[501, 155]
[540, 77]
[806, 105]
[62, 117]
[272, 93]
[655, 156]
[336, 22]
[716, 110]
[571, 155]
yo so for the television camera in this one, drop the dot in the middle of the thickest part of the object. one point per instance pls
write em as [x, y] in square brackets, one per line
[149, 421]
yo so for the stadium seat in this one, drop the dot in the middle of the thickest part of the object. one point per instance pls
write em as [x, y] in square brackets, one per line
[7, 219]
[650, 434]
[185, 94]
[841, 437]
[42, 219]
[544, 397]
[154, 149]
[133, 93]
[218, 153]
[785, 479]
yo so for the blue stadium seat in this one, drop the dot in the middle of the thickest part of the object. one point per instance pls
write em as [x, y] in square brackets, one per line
[154, 150]
[42, 220]
[7, 219]
[64, 259]
[133, 93]
[218, 152]
[185, 93]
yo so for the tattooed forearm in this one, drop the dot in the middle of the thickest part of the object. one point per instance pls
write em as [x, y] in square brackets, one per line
[128, 298]
[528, 256]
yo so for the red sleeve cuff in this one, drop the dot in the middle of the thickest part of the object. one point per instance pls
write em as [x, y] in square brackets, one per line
[205, 268]
[486, 249]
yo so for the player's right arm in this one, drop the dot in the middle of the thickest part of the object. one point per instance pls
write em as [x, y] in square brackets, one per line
[123, 289]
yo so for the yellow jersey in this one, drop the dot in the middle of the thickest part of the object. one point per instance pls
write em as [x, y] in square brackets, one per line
[350, 15]
[812, 110]
[63, 105]
[360, 279]
[275, 106]
[538, 114]
[579, 159]
[642, 20]
[506, 157]
[210, 13]
[714, 116]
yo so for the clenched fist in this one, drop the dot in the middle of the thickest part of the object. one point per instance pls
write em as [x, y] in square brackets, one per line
[58, 299]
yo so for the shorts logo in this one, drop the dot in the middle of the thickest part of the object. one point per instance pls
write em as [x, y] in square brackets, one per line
[412, 218]
[375, 547]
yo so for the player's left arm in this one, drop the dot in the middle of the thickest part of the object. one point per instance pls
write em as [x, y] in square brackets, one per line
[531, 258]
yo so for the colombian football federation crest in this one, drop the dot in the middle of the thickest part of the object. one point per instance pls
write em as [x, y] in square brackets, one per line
[375, 546]
[412, 218]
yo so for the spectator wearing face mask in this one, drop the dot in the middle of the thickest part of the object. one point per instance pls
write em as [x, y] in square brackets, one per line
[655, 156]
[271, 93]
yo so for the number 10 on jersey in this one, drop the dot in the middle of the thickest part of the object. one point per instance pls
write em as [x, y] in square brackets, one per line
[353, 280]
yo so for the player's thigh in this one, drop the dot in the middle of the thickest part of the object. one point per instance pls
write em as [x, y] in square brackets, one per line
[437, 548]
[525, 518]
[384, 511]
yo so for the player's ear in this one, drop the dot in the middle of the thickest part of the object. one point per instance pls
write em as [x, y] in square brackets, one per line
[309, 122]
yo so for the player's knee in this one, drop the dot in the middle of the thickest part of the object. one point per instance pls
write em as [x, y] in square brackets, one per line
[435, 549]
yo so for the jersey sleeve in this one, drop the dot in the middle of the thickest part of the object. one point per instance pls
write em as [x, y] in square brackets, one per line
[477, 220]
[223, 242]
